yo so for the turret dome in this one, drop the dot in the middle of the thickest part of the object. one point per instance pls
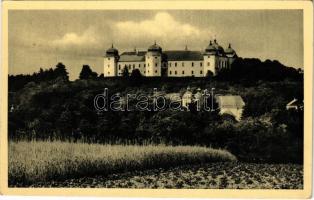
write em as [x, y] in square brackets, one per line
[210, 48]
[112, 51]
[155, 47]
[219, 48]
[230, 52]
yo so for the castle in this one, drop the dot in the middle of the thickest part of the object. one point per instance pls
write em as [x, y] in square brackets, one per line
[179, 63]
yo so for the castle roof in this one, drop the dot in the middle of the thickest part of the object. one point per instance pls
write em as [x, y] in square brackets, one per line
[210, 47]
[220, 50]
[183, 55]
[230, 52]
[133, 56]
[230, 101]
[155, 47]
[112, 51]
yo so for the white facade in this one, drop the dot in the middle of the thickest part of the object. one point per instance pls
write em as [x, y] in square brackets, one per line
[141, 66]
[179, 63]
[153, 64]
[185, 68]
[110, 66]
[210, 64]
[231, 105]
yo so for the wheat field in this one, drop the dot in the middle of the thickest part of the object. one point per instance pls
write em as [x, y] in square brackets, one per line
[40, 161]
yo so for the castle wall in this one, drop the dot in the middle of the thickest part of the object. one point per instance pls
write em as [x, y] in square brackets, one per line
[110, 67]
[221, 63]
[153, 64]
[141, 66]
[185, 68]
[210, 62]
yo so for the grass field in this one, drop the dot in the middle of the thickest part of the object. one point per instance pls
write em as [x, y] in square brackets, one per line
[32, 162]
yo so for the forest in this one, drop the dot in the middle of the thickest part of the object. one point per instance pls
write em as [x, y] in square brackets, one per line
[47, 106]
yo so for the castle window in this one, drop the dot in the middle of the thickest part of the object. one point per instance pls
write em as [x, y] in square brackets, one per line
[182, 72]
[148, 64]
[175, 72]
[208, 64]
[129, 67]
[182, 64]
[155, 64]
[169, 64]
[192, 64]
[175, 64]
[156, 71]
[108, 58]
[201, 64]
[119, 67]
[170, 72]
[108, 65]
[201, 72]
[148, 71]
[155, 57]
[108, 72]
[192, 72]
[144, 65]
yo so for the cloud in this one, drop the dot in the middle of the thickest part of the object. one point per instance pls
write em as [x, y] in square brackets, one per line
[162, 27]
[87, 38]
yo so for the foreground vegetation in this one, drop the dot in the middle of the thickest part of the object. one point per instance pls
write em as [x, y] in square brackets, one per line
[65, 111]
[226, 175]
[31, 162]
[47, 106]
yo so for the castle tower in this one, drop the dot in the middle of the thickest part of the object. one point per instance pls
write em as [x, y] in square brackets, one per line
[231, 55]
[210, 59]
[110, 62]
[153, 60]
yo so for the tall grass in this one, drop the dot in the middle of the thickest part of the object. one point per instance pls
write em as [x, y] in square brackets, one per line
[36, 161]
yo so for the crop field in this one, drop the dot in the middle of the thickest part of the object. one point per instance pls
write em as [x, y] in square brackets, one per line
[35, 162]
[221, 175]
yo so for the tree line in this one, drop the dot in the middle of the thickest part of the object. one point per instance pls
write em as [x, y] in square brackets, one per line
[47, 106]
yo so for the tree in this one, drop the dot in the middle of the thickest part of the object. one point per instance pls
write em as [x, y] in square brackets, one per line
[61, 71]
[87, 73]
[65, 122]
[209, 74]
[125, 72]
[136, 74]
[136, 77]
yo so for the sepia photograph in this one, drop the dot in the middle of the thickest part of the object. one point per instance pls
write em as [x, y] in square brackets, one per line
[157, 98]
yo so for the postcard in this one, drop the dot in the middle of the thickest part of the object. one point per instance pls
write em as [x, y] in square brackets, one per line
[157, 98]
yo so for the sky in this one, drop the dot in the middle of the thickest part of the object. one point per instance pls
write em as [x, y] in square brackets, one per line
[41, 39]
